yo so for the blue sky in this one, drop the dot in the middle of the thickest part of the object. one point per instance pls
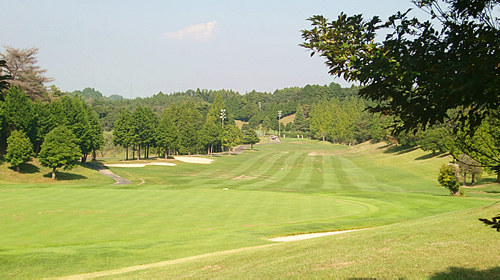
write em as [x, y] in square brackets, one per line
[138, 48]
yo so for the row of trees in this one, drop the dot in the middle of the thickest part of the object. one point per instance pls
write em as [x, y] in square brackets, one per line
[180, 128]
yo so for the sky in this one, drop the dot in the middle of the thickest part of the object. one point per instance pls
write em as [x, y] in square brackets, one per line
[138, 48]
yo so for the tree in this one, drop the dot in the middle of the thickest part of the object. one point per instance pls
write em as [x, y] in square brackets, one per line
[19, 149]
[250, 137]
[167, 134]
[4, 77]
[448, 178]
[20, 65]
[468, 166]
[59, 149]
[95, 131]
[434, 139]
[320, 119]
[419, 71]
[300, 122]
[123, 134]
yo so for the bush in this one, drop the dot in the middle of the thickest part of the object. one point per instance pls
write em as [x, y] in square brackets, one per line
[448, 178]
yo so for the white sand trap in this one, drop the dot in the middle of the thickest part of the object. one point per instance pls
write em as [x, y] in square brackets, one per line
[162, 163]
[139, 164]
[194, 160]
[309, 235]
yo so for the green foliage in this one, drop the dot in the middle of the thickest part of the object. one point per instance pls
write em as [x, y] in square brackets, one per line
[59, 149]
[18, 110]
[435, 139]
[418, 71]
[300, 123]
[250, 137]
[19, 149]
[448, 178]
[167, 134]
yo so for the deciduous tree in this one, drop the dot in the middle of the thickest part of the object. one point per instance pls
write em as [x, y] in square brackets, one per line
[59, 149]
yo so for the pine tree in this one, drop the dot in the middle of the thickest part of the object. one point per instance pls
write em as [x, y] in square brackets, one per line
[300, 122]
[167, 134]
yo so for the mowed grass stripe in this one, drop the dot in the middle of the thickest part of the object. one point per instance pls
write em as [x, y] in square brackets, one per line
[285, 172]
[263, 170]
[289, 182]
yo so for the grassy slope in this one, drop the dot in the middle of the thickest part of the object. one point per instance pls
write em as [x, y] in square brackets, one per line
[447, 246]
[86, 224]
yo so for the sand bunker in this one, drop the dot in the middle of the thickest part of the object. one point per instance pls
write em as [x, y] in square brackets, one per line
[139, 164]
[309, 235]
[195, 160]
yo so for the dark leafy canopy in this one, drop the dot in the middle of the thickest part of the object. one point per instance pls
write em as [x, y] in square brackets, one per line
[60, 149]
[420, 70]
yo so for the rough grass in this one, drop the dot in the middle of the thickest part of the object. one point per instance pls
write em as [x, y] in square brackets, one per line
[447, 246]
[85, 225]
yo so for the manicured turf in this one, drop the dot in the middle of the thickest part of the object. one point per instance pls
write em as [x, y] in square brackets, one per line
[83, 223]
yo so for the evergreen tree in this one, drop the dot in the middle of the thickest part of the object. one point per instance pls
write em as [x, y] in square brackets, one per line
[300, 122]
[167, 134]
[19, 149]
[124, 131]
[250, 137]
[320, 119]
[59, 149]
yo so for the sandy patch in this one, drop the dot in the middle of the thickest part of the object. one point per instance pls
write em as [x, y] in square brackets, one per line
[139, 164]
[308, 235]
[194, 160]
[162, 163]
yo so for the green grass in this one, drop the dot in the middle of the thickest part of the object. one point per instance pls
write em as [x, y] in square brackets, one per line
[82, 223]
[447, 246]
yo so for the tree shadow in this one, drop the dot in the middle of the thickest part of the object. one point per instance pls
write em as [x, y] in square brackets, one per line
[398, 149]
[27, 168]
[430, 155]
[467, 273]
[65, 176]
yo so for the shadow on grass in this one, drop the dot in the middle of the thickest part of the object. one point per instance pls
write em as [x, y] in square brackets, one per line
[26, 168]
[468, 273]
[392, 149]
[429, 156]
[65, 176]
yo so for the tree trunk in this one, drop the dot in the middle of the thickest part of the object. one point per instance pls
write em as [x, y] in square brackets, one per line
[94, 155]
[84, 158]
[473, 179]
[166, 152]
[138, 151]
[18, 169]
[498, 176]
[123, 154]
[126, 152]
[133, 152]
[53, 173]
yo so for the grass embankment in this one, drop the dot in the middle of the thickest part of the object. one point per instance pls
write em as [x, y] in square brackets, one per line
[87, 224]
[447, 246]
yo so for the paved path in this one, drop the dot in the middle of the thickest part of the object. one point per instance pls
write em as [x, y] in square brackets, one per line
[106, 172]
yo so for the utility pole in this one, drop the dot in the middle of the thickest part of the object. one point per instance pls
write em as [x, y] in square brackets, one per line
[279, 123]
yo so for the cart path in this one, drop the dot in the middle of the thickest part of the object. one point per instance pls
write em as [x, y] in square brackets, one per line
[281, 240]
[106, 172]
